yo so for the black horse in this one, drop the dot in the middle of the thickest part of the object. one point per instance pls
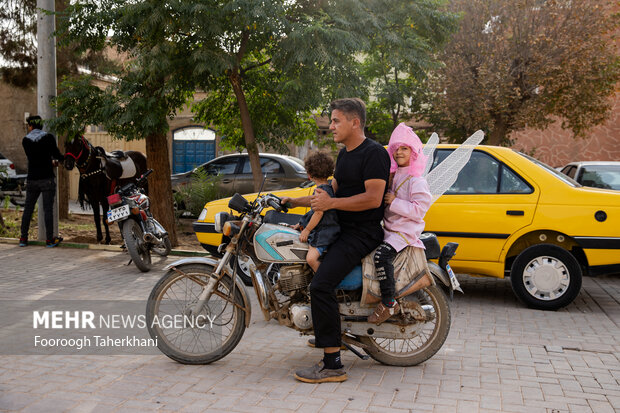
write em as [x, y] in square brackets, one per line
[99, 178]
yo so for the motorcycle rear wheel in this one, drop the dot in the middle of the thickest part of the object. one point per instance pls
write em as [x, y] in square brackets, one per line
[173, 295]
[164, 248]
[138, 250]
[417, 349]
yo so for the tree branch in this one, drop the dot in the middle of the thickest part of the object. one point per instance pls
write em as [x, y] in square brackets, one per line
[244, 44]
[247, 69]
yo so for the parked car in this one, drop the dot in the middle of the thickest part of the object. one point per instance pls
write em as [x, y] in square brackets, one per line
[236, 174]
[7, 168]
[512, 215]
[595, 174]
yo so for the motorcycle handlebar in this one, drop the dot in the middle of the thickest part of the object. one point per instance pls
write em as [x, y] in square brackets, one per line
[274, 204]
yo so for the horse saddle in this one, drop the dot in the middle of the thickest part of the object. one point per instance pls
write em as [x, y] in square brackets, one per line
[117, 165]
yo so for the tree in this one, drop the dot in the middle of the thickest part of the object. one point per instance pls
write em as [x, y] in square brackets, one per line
[404, 39]
[153, 83]
[522, 63]
[268, 65]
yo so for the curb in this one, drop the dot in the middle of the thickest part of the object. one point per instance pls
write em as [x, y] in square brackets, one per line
[98, 247]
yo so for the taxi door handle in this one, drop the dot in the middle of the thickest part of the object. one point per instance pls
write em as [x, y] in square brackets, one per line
[515, 212]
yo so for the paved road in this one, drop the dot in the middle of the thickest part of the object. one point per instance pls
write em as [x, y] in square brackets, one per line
[499, 356]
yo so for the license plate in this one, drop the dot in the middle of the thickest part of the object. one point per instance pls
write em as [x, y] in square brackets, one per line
[118, 213]
[453, 280]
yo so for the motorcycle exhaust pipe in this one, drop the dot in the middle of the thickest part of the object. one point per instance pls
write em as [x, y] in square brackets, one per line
[151, 238]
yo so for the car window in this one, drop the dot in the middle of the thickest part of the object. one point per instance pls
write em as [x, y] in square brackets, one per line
[222, 167]
[483, 174]
[571, 171]
[511, 183]
[601, 176]
[479, 176]
[267, 166]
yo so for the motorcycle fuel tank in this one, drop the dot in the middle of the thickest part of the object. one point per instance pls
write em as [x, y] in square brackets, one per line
[277, 243]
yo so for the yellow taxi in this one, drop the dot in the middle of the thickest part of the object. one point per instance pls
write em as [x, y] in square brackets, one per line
[512, 216]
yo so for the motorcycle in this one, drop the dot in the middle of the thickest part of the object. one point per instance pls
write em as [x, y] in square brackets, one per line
[130, 207]
[208, 308]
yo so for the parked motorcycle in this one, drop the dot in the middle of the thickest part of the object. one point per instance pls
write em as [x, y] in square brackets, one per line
[208, 309]
[130, 207]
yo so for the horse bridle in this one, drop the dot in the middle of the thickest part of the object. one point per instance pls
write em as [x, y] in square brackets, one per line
[85, 144]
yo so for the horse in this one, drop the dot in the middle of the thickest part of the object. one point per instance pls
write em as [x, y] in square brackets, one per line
[95, 185]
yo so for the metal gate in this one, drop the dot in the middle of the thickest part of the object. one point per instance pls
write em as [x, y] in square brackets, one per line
[191, 147]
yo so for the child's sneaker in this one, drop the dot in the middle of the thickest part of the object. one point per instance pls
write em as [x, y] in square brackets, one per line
[382, 313]
[23, 242]
[54, 242]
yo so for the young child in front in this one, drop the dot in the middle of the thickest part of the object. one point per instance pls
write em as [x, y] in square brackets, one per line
[319, 229]
[406, 202]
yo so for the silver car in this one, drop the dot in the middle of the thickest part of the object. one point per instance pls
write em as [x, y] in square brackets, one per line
[236, 174]
[596, 174]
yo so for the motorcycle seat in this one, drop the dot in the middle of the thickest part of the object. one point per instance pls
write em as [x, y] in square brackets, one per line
[275, 217]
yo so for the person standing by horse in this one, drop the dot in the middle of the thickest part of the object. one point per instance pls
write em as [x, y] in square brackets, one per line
[43, 155]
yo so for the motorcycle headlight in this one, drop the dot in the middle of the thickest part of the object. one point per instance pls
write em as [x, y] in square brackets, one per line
[202, 215]
[220, 219]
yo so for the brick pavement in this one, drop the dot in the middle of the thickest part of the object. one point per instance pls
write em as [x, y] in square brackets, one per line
[499, 356]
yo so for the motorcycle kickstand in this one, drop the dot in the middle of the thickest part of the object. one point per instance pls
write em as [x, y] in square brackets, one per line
[130, 261]
[354, 351]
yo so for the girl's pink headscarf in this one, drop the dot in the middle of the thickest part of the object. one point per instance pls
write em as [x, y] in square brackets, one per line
[404, 135]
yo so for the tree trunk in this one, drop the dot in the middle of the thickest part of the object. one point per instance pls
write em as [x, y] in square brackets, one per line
[498, 134]
[63, 185]
[160, 189]
[248, 130]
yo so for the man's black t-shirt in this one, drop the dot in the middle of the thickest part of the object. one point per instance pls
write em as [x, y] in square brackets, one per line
[369, 160]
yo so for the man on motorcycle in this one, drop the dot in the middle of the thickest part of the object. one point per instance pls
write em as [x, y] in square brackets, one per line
[360, 182]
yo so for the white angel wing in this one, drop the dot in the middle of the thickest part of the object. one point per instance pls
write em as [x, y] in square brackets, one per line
[446, 173]
[428, 151]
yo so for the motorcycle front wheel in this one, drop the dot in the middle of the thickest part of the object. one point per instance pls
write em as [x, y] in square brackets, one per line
[201, 338]
[138, 251]
[428, 339]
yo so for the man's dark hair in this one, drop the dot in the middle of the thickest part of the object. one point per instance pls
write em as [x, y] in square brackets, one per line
[35, 121]
[319, 165]
[351, 106]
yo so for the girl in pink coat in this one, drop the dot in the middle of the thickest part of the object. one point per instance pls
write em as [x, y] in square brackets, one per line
[406, 203]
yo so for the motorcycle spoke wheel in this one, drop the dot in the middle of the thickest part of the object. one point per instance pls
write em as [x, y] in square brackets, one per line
[200, 338]
[425, 341]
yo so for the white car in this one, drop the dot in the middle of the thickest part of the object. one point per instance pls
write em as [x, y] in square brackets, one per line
[7, 168]
[596, 174]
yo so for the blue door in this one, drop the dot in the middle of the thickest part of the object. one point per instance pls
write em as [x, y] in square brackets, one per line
[188, 153]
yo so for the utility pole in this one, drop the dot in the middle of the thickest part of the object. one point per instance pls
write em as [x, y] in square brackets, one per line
[46, 84]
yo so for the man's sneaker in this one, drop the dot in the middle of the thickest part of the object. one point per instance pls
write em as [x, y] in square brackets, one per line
[54, 242]
[319, 374]
[382, 313]
[312, 343]
[23, 242]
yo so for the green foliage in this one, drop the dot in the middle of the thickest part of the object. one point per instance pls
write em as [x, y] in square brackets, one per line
[6, 202]
[201, 189]
[404, 39]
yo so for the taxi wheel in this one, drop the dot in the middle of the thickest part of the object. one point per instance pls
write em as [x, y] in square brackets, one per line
[242, 265]
[546, 277]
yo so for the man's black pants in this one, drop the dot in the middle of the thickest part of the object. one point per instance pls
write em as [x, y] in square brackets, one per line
[34, 188]
[355, 242]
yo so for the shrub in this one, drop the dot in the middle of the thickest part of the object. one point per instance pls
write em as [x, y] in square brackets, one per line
[201, 189]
